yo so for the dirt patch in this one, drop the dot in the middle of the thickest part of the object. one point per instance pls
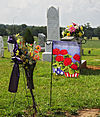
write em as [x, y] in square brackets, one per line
[86, 113]
[93, 67]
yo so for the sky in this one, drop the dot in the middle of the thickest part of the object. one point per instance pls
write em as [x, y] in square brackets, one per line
[34, 12]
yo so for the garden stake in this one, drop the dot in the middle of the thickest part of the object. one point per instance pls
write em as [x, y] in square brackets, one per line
[51, 77]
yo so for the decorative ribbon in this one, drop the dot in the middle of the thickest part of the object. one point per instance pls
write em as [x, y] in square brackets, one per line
[14, 79]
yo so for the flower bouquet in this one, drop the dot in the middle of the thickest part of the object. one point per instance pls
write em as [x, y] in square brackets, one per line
[73, 31]
[26, 54]
[29, 55]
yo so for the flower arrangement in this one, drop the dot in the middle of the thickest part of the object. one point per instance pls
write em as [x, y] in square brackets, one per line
[63, 63]
[28, 53]
[74, 30]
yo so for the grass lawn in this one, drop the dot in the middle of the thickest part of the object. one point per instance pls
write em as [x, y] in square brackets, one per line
[68, 94]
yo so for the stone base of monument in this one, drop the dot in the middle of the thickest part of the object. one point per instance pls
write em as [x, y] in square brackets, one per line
[47, 56]
[83, 64]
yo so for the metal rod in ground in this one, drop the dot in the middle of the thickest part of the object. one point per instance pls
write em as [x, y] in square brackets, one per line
[51, 76]
[34, 104]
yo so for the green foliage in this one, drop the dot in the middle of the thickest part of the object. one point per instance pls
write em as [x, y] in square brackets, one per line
[68, 94]
[28, 36]
[97, 32]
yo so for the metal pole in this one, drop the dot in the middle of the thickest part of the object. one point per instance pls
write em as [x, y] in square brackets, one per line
[51, 76]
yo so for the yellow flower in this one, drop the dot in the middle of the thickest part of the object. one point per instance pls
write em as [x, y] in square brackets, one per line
[17, 52]
[30, 49]
[80, 34]
[68, 34]
[32, 54]
[70, 25]
[17, 35]
[18, 41]
[26, 67]
[26, 61]
[81, 27]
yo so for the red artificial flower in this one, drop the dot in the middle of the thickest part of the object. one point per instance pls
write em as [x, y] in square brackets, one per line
[36, 57]
[36, 51]
[76, 57]
[56, 51]
[59, 58]
[63, 52]
[31, 44]
[74, 24]
[74, 66]
[67, 61]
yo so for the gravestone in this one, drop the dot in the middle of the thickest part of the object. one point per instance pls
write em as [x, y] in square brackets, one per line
[10, 47]
[41, 41]
[1, 47]
[53, 32]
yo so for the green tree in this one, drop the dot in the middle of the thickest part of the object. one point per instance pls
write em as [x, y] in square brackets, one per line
[88, 31]
[28, 36]
[97, 32]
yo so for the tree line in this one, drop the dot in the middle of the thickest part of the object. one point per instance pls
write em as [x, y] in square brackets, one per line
[6, 30]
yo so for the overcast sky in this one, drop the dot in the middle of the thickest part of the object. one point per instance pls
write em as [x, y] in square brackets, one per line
[34, 12]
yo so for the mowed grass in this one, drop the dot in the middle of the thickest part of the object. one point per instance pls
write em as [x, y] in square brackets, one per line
[68, 94]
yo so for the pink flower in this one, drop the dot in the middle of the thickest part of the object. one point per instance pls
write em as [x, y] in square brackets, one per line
[72, 29]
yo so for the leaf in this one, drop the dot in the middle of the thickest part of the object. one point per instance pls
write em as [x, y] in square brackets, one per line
[56, 64]
[71, 71]
[77, 64]
[65, 68]
[77, 71]
[67, 56]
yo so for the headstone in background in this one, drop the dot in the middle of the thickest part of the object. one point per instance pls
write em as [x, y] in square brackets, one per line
[1, 47]
[10, 48]
[53, 32]
[41, 41]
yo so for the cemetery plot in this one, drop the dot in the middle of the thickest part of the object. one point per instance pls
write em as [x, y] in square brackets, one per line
[66, 58]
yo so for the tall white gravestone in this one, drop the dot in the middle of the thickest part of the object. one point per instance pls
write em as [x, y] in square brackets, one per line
[1, 47]
[53, 32]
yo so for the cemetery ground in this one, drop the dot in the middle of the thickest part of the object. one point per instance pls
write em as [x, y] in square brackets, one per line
[69, 95]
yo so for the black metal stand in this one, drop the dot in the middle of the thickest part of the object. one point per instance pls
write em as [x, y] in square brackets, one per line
[51, 76]
[34, 104]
